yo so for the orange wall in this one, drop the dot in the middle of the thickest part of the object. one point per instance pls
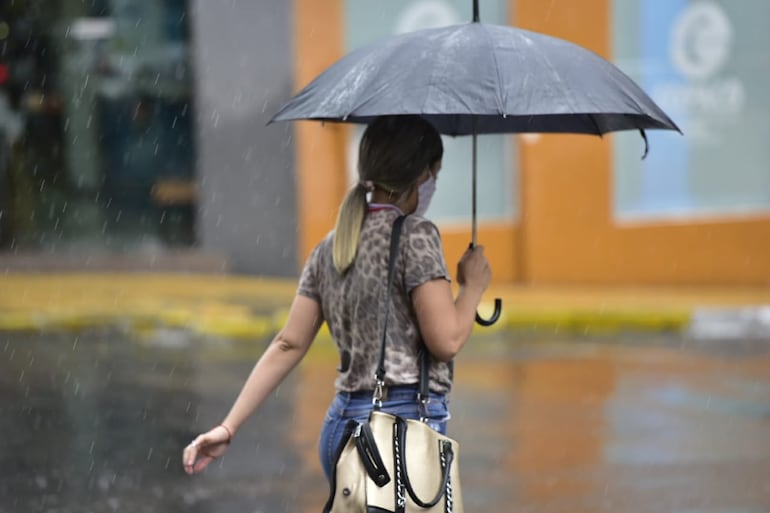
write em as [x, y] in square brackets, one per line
[320, 150]
[568, 234]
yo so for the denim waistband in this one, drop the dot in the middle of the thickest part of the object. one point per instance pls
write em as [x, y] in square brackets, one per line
[390, 392]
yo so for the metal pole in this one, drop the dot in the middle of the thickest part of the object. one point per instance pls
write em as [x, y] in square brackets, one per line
[476, 11]
[473, 215]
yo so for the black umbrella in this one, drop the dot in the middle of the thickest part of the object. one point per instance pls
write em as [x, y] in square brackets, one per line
[477, 78]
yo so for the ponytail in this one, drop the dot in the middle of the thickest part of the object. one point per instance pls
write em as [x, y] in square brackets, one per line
[350, 219]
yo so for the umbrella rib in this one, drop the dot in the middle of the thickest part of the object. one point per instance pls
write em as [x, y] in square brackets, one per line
[428, 87]
[555, 74]
[593, 120]
[500, 100]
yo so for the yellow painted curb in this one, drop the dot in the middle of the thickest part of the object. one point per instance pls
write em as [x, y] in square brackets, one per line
[22, 321]
[236, 321]
[240, 327]
[594, 320]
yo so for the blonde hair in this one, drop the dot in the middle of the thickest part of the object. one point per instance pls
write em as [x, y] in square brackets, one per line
[350, 220]
[394, 152]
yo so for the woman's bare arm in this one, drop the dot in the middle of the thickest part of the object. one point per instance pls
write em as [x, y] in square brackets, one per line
[446, 323]
[285, 351]
[281, 356]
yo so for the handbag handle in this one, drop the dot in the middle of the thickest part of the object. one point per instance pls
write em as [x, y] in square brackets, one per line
[447, 456]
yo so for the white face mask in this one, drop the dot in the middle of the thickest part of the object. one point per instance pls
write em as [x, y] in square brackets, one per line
[424, 195]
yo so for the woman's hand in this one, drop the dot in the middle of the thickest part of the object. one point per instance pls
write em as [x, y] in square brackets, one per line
[205, 448]
[473, 269]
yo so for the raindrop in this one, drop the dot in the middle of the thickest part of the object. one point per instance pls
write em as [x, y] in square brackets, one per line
[75, 343]
[149, 454]
[21, 376]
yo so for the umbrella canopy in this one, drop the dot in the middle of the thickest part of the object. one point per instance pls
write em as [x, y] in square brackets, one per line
[479, 78]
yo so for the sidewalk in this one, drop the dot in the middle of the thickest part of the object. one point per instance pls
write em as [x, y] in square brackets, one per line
[250, 307]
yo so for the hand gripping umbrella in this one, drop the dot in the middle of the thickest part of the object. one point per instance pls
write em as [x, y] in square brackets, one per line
[477, 78]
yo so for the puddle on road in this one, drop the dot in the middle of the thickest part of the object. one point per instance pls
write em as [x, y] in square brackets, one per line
[96, 422]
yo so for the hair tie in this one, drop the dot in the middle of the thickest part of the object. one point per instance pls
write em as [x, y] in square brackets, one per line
[367, 185]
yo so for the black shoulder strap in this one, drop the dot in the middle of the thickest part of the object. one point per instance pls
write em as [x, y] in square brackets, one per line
[395, 236]
[424, 386]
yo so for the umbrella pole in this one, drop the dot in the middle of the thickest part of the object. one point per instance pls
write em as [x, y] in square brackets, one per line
[474, 230]
[474, 234]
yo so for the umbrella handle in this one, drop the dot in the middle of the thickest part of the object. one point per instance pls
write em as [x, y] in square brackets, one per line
[495, 316]
[498, 307]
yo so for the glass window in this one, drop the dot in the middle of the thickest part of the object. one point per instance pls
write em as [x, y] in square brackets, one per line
[706, 64]
[96, 124]
[372, 20]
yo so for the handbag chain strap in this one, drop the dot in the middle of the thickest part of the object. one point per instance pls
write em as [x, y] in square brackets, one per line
[379, 375]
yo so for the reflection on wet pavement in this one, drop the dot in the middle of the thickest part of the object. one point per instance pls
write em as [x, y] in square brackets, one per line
[96, 422]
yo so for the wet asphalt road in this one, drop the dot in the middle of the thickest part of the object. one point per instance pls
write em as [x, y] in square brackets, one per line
[95, 422]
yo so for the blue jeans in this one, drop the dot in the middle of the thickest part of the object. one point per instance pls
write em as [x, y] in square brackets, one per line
[401, 400]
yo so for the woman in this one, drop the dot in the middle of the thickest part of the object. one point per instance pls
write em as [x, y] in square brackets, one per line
[344, 284]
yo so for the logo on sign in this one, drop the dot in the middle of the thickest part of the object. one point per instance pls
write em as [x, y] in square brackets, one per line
[701, 40]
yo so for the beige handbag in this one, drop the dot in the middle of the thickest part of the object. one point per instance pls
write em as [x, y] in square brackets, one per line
[392, 464]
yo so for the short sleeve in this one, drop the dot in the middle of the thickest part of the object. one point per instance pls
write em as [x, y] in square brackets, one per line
[424, 256]
[309, 281]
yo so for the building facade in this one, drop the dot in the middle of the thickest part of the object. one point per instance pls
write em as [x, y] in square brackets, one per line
[573, 209]
[137, 127]
[134, 126]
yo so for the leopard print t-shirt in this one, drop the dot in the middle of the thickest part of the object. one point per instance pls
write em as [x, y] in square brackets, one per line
[353, 303]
